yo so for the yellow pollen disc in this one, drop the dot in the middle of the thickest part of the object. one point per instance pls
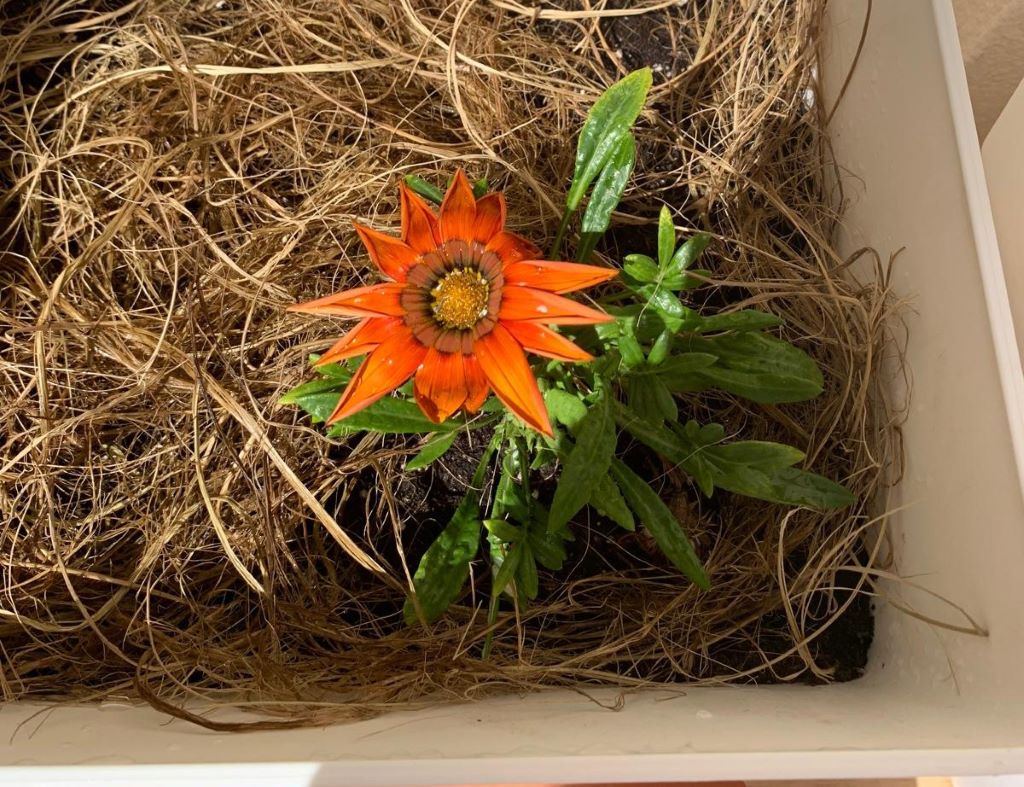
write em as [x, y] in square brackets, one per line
[460, 298]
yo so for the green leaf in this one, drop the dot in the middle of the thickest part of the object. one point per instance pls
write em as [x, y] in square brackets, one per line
[508, 496]
[608, 501]
[702, 473]
[480, 187]
[444, 567]
[648, 323]
[677, 371]
[391, 415]
[788, 486]
[608, 189]
[503, 530]
[332, 369]
[667, 305]
[666, 238]
[658, 519]
[548, 548]
[650, 399]
[663, 441]
[328, 385]
[639, 273]
[688, 253]
[641, 268]
[527, 581]
[798, 487]
[586, 464]
[759, 367]
[629, 346]
[319, 405]
[426, 190]
[759, 454]
[661, 348]
[565, 408]
[751, 468]
[745, 320]
[506, 568]
[608, 121]
[432, 450]
[388, 415]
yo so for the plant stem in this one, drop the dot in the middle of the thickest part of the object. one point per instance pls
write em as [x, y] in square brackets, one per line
[524, 468]
[481, 469]
[492, 618]
[588, 242]
[563, 226]
[495, 602]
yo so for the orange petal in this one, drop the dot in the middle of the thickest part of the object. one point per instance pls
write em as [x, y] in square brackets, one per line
[512, 248]
[360, 340]
[458, 210]
[526, 303]
[376, 300]
[384, 370]
[544, 341]
[556, 276]
[476, 384]
[504, 364]
[490, 216]
[419, 225]
[440, 387]
[392, 255]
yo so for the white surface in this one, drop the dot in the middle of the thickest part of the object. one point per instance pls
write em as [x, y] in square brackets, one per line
[989, 781]
[933, 703]
[1003, 153]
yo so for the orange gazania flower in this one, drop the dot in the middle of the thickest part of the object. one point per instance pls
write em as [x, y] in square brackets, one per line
[464, 300]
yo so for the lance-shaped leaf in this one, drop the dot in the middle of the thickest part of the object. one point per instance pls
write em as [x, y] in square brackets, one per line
[388, 415]
[752, 468]
[432, 450]
[444, 567]
[609, 120]
[759, 367]
[425, 189]
[659, 521]
[608, 501]
[605, 197]
[744, 320]
[666, 238]
[586, 464]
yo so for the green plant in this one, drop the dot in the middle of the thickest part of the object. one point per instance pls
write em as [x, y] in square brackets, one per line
[657, 346]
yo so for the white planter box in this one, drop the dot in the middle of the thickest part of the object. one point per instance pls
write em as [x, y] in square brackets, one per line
[932, 702]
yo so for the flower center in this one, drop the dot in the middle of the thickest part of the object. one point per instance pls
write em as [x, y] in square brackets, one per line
[459, 299]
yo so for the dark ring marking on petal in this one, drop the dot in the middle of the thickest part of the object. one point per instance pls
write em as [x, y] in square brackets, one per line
[484, 327]
[489, 263]
[420, 275]
[427, 333]
[449, 342]
[425, 281]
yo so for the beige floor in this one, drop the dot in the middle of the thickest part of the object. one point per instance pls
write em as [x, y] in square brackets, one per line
[991, 36]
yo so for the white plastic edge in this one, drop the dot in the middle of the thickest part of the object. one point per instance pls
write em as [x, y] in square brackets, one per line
[548, 770]
[1000, 317]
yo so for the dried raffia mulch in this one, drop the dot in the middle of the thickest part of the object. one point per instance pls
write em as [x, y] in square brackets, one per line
[180, 172]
